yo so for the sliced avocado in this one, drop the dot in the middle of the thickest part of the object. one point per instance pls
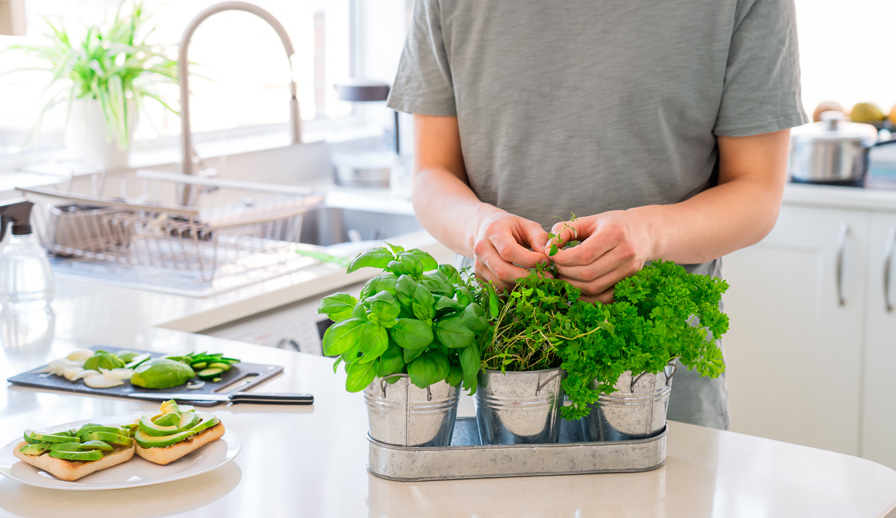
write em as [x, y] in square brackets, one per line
[35, 449]
[169, 419]
[91, 428]
[209, 373]
[130, 428]
[32, 437]
[65, 446]
[148, 441]
[77, 455]
[153, 428]
[219, 365]
[109, 437]
[95, 445]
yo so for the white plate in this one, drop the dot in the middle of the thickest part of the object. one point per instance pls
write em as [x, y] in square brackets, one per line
[133, 473]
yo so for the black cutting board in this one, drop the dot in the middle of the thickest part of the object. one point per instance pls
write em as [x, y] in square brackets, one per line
[254, 374]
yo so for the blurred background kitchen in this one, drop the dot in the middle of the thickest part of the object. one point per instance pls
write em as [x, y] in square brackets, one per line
[811, 348]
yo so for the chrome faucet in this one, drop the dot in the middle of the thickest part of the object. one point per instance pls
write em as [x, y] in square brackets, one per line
[183, 76]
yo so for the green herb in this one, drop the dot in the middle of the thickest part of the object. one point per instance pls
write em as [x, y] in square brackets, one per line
[112, 64]
[418, 318]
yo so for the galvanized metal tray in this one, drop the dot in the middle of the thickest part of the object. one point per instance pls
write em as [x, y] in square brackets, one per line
[468, 458]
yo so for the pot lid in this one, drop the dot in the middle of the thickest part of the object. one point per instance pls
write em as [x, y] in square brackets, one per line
[833, 126]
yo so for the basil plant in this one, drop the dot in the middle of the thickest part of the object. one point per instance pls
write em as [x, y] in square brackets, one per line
[418, 318]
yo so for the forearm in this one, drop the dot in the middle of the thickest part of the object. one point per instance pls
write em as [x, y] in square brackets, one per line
[448, 209]
[716, 222]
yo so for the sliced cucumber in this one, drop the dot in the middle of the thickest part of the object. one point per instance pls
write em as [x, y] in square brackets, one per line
[209, 373]
[198, 366]
[218, 365]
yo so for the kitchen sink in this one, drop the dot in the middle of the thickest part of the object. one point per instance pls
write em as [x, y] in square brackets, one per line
[326, 226]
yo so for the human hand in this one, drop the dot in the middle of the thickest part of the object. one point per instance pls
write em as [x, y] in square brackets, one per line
[505, 246]
[613, 246]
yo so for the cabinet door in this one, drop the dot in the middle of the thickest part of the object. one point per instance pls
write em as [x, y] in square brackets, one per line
[796, 306]
[879, 375]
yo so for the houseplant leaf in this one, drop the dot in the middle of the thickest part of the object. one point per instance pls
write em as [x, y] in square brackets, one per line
[375, 258]
[337, 307]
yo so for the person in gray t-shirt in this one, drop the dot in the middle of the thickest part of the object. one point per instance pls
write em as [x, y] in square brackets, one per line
[663, 126]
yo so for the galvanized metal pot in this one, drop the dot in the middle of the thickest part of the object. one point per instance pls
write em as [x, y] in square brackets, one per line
[637, 410]
[403, 414]
[519, 407]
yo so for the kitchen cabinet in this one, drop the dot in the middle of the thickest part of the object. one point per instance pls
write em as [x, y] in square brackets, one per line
[797, 308]
[879, 374]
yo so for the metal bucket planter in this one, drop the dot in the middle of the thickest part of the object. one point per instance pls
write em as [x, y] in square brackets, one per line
[519, 407]
[403, 414]
[637, 410]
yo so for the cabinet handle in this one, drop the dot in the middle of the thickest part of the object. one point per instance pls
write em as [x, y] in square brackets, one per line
[888, 263]
[841, 250]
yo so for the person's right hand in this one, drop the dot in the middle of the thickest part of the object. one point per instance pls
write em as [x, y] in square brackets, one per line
[506, 246]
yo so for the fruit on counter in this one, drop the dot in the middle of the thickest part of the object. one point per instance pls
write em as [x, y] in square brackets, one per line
[162, 373]
[827, 106]
[163, 439]
[103, 360]
[866, 112]
[72, 454]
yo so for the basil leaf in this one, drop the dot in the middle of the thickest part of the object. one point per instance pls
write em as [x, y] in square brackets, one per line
[493, 306]
[395, 249]
[406, 264]
[426, 260]
[455, 376]
[360, 375]
[404, 290]
[337, 307]
[450, 273]
[373, 341]
[383, 310]
[341, 336]
[443, 367]
[445, 305]
[422, 305]
[382, 282]
[436, 282]
[424, 371]
[474, 318]
[470, 362]
[375, 257]
[411, 334]
[453, 333]
[463, 295]
[410, 355]
[391, 361]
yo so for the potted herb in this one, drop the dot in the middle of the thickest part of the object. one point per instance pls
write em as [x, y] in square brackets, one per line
[409, 342]
[103, 77]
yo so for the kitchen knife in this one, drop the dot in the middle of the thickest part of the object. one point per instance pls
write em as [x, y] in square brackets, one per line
[267, 398]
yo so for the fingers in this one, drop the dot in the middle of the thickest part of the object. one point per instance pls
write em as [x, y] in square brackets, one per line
[502, 250]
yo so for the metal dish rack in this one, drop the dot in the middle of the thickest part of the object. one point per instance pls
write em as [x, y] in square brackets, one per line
[233, 233]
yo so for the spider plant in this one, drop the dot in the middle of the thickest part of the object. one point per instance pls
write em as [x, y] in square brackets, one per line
[112, 64]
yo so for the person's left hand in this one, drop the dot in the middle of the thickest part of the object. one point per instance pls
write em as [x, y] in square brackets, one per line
[613, 246]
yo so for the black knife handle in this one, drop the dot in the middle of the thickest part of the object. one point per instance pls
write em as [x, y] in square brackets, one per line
[272, 398]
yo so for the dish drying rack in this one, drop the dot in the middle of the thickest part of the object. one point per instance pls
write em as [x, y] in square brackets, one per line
[232, 234]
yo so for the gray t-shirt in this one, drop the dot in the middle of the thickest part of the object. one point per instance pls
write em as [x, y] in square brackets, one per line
[586, 106]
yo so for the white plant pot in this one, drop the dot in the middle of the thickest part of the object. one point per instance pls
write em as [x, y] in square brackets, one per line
[85, 136]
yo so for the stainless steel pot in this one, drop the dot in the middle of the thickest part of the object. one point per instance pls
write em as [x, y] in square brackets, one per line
[832, 151]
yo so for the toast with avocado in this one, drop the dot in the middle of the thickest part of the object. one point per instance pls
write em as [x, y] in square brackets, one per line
[73, 454]
[175, 432]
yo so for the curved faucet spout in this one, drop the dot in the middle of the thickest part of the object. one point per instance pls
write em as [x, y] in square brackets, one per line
[183, 77]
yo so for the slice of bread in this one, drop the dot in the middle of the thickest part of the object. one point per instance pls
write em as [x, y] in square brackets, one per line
[70, 470]
[168, 454]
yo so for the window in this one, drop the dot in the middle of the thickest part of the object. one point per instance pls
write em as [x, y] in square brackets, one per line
[239, 79]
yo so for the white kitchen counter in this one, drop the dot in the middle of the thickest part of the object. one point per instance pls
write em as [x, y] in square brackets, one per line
[300, 461]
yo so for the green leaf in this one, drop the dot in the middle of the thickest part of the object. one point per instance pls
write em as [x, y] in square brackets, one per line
[342, 336]
[430, 367]
[375, 258]
[450, 273]
[474, 318]
[455, 376]
[494, 309]
[383, 308]
[337, 307]
[391, 362]
[406, 264]
[383, 282]
[463, 295]
[470, 363]
[373, 341]
[404, 290]
[453, 333]
[411, 334]
[447, 305]
[427, 261]
[360, 375]
[409, 355]
[437, 283]
[423, 304]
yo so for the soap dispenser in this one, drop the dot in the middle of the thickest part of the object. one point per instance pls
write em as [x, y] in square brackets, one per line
[26, 282]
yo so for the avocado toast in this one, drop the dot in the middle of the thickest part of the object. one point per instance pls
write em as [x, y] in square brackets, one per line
[72, 454]
[175, 432]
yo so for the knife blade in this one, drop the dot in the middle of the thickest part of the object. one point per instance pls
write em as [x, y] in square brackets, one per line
[267, 398]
